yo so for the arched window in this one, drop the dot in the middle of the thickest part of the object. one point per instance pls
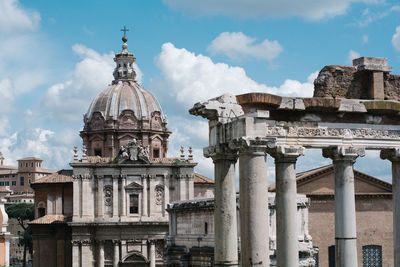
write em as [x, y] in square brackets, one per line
[372, 256]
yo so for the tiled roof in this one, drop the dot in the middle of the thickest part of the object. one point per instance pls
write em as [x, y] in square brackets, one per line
[49, 219]
[54, 178]
[200, 179]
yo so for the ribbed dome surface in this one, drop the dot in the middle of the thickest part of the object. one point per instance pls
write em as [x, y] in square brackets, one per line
[124, 95]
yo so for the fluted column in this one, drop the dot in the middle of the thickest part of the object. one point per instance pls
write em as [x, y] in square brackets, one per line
[286, 205]
[394, 156]
[345, 210]
[101, 253]
[225, 224]
[254, 213]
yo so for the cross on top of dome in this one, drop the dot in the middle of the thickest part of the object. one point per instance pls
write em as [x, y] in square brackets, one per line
[124, 60]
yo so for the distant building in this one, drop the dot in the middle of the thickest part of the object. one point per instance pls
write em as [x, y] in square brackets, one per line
[18, 178]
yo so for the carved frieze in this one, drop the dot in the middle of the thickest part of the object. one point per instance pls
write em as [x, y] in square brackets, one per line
[294, 131]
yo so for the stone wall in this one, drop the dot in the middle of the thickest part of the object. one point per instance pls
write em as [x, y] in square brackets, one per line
[339, 81]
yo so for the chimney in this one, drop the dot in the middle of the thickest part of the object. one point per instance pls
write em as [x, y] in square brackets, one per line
[373, 68]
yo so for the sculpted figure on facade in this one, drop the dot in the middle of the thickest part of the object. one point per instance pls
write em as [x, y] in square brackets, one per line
[134, 151]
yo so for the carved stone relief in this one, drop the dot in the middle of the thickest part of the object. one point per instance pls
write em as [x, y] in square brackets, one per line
[159, 194]
[108, 195]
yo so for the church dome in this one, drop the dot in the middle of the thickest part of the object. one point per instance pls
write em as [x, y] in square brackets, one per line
[122, 96]
[124, 111]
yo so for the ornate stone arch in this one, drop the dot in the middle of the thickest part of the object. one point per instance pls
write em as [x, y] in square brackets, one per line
[135, 258]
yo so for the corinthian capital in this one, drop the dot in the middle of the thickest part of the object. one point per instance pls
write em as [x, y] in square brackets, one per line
[392, 154]
[251, 144]
[287, 153]
[220, 151]
[343, 152]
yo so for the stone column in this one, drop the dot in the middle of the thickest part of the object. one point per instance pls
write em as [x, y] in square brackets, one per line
[76, 257]
[152, 254]
[287, 241]
[225, 224]
[394, 156]
[345, 210]
[101, 253]
[254, 212]
[87, 253]
[116, 253]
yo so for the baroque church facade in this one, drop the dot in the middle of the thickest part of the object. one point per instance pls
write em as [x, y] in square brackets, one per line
[121, 185]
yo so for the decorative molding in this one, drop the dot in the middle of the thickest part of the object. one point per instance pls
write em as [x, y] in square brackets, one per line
[295, 131]
[220, 151]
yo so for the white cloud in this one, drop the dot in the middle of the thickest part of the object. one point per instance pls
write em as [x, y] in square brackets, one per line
[54, 148]
[396, 39]
[237, 44]
[14, 18]
[308, 9]
[69, 100]
[193, 78]
[6, 95]
[352, 55]
[364, 39]
[4, 125]
[368, 17]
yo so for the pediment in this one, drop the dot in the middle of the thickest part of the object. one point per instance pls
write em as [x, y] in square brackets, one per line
[134, 186]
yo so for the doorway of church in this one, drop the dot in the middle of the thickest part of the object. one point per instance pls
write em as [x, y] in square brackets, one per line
[134, 260]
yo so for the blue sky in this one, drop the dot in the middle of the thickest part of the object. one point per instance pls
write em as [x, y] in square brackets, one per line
[55, 56]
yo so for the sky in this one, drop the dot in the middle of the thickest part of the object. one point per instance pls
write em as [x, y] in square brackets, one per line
[56, 56]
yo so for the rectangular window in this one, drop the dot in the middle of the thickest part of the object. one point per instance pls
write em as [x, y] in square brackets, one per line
[331, 255]
[372, 256]
[14, 183]
[7, 183]
[32, 164]
[22, 181]
[134, 204]
[1, 183]
[26, 164]
[156, 153]
[97, 152]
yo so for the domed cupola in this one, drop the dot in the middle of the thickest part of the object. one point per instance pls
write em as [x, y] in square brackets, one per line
[122, 111]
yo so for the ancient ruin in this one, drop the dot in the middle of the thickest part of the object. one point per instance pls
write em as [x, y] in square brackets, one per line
[353, 109]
